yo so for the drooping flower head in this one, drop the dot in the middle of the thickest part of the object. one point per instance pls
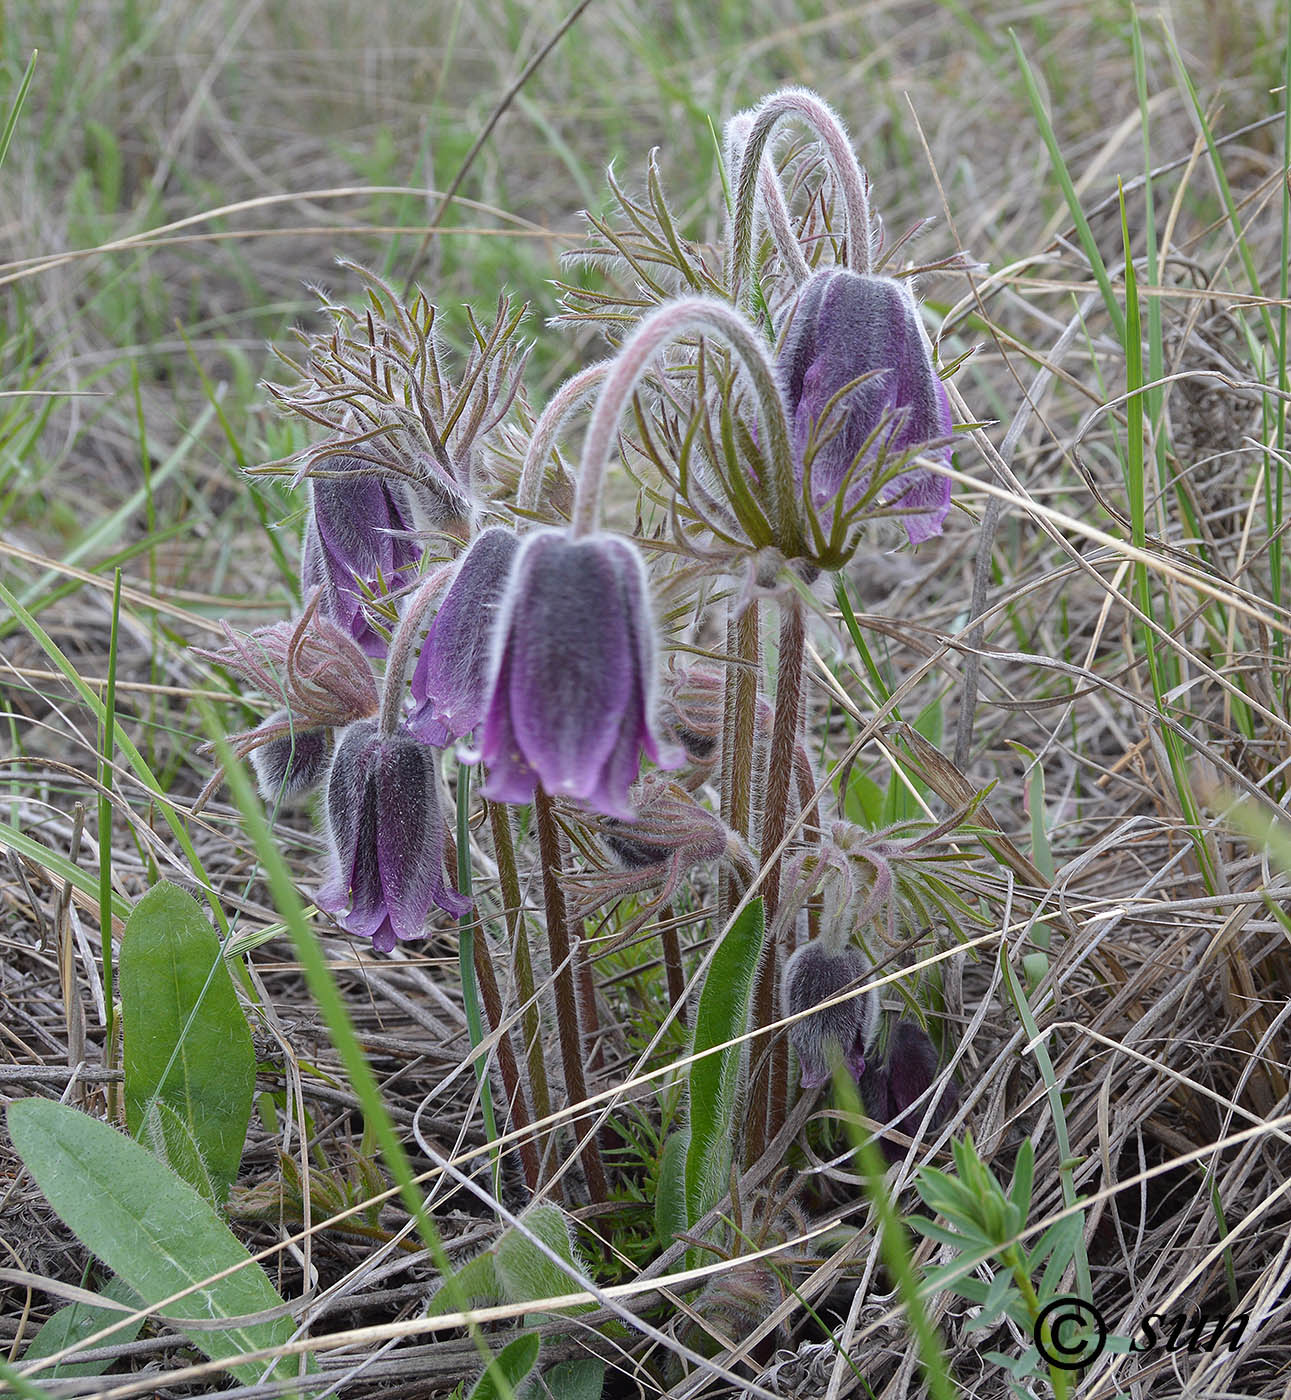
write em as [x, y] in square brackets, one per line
[386, 837]
[572, 674]
[813, 975]
[891, 1088]
[359, 541]
[862, 394]
[450, 679]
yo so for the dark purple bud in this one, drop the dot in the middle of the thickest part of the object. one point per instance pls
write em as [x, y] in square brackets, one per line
[359, 540]
[891, 1090]
[814, 975]
[288, 760]
[573, 674]
[847, 326]
[450, 680]
[386, 835]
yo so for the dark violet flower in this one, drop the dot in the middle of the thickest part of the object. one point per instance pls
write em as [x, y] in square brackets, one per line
[288, 760]
[572, 674]
[846, 325]
[814, 975]
[449, 682]
[386, 836]
[359, 538]
[890, 1089]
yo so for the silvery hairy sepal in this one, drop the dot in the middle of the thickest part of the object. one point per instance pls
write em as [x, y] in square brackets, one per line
[863, 397]
[450, 679]
[572, 674]
[385, 837]
[890, 1089]
[813, 975]
[359, 542]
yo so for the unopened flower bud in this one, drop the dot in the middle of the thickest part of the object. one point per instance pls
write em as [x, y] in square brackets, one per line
[814, 975]
[359, 539]
[891, 1089]
[572, 680]
[288, 761]
[450, 680]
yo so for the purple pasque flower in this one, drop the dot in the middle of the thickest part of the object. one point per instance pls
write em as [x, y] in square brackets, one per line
[891, 1088]
[386, 837]
[814, 975]
[572, 674]
[360, 539]
[450, 679]
[847, 326]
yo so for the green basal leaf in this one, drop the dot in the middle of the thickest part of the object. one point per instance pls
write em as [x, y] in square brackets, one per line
[670, 1192]
[153, 1230]
[70, 1326]
[507, 1369]
[187, 1043]
[722, 1015]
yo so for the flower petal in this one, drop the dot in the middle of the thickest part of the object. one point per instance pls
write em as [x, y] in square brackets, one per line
[449, 682]
[571, 660]
[410, 836]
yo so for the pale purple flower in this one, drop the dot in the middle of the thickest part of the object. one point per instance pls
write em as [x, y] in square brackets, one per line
[450, 680]
[386, 837]
[359, 539]
[814, 975]
[847, 326]
[572, 674]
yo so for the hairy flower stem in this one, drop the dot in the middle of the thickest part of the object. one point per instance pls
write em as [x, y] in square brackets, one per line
[510, 1071]
[673, 967]
[567, 1022]
[770, 1085]
[774, 208]
[530, 1020]
[402, 645]
[692, 316]
[740, 696]
[547, 429]
[843, 164]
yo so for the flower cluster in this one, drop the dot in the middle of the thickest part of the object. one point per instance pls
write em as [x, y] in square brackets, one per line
[472, 597]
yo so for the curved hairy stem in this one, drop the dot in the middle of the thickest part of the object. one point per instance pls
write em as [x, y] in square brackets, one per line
[847, 171]
[698, 315]
[563, 402]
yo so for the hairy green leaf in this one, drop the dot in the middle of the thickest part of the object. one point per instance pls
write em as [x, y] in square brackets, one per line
[188, 1059]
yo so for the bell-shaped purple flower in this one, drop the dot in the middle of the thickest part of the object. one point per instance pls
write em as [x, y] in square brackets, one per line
[847, 326]
[386, 837]
[891, 1088]
[359, 537]
[814, 975]
[572, 674]
[450, 679]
